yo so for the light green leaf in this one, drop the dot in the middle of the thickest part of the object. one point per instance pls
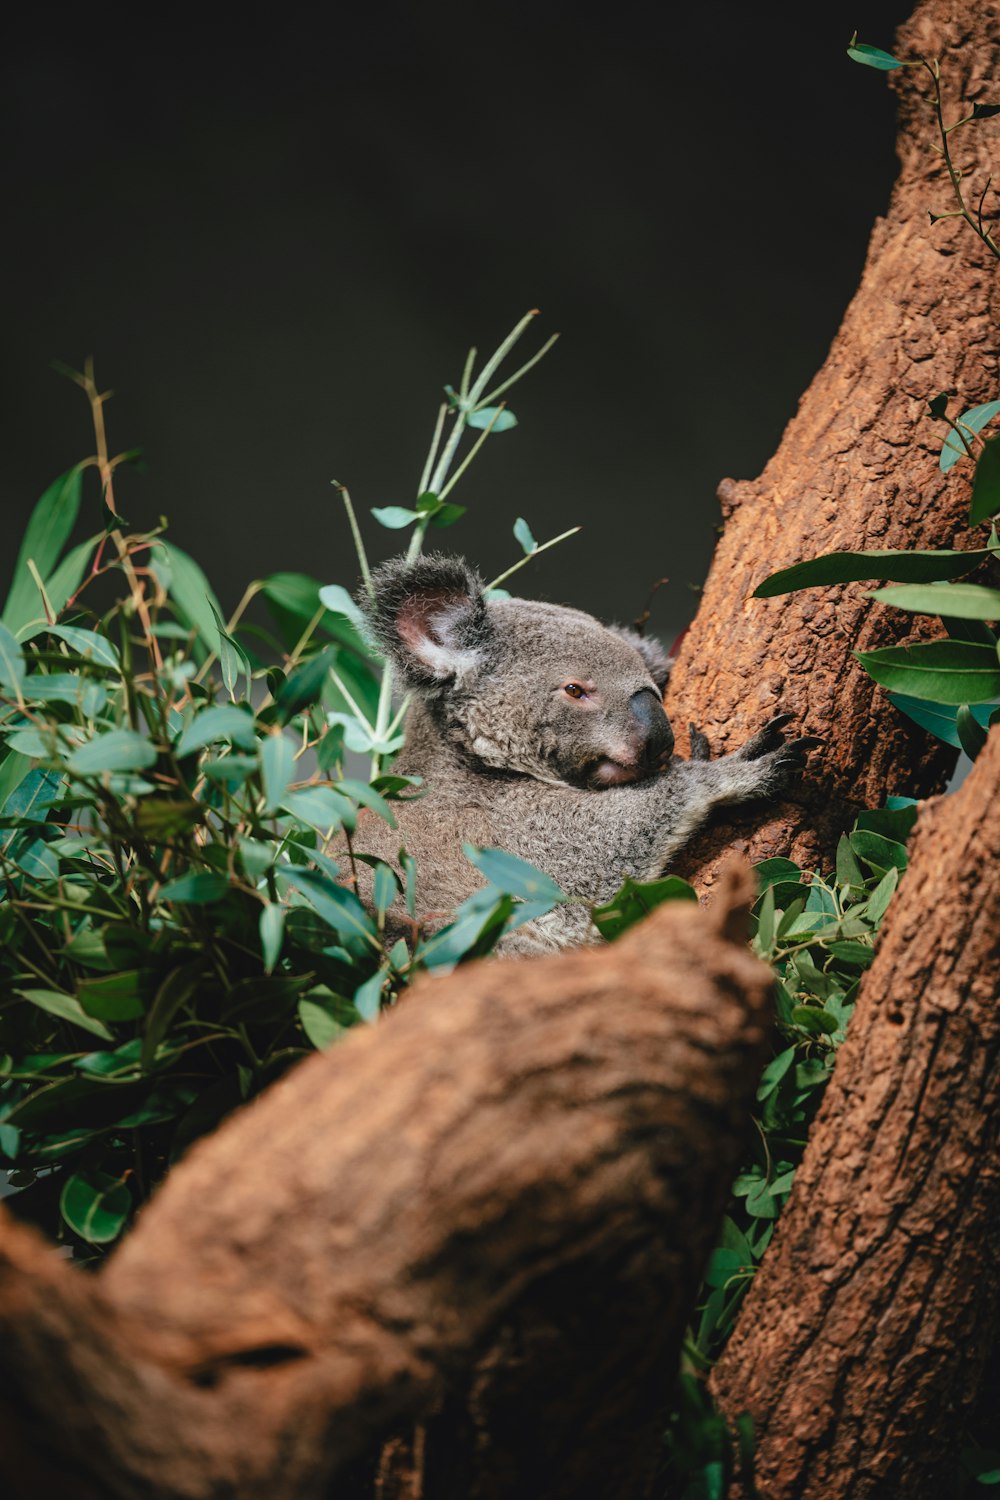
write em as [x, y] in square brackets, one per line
[975, 418]
[118, 750]
[86, 643]
[272, 932]
[959, 601]
[277, 766]
[339, 602]
[319, 807]
[11, 662]
[335, 904]
[66, 579]
[505, 419]
[522, 534]
[394, 517]
[223, 721]
[368, 997]
[873, 57]
[319, 1025]
[939, 719]
[67, 1008]
[233, 659]
[513, 876]
[191, 593]
[52, 520]
[943, 671]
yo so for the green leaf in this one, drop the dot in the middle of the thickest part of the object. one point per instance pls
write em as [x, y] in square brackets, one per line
[855, 567]
[191, 593]
[985, 112]
[65, 581]
[222, 721]
[976, 419]
[447, 514]
[118, 750]
[233, 659]
[986, 484]
[334, 903]
[877, 904]
[86, 643]
[197, 888]
[766, 921]
[272, 932]
[11, 662]
[339, 602]
[96, 1206]
[814, 1020]
[368, 997]
[873, 57]
[176, 989]
[961, 601]
[67, 1008]
[636, 899]
[320, 1026]
[881, 853]
[505, 419]
[724, 1264]
[303, 687]
[943, 671]
[52, 520]
[971, 733]
[113, 997]
[848, 869]
[513, 876]
[938, 719]
[385, 887]
[368, 797]
[775, 1072]
[277, 766]
[394, 517]
[320, 807]
[522, 533]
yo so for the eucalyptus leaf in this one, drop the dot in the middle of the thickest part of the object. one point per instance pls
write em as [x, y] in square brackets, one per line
[986, 483]
[873, 57]
[976, 419]
[47, 532]
[522, 533]
[942, 671]
[196, 888]
[513, 876]
[855, 567]
[96, 1206]
[502, 419]
[394, 517]
[277, 766]
[963, 601]
[117, 750]
[222, 721]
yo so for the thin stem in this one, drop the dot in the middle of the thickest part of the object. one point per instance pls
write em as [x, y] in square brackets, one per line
[466, 461]
[425, 476]
[934, 69]
[359, 546]
[349, 700]
[470, 360]
[498, 357]
[511, 379]
[530, 556]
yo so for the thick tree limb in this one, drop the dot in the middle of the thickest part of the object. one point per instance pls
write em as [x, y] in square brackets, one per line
[534, 1150]
[862, 1340]
[857, 469]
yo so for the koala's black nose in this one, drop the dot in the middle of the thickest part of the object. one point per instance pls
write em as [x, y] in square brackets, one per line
[654, 738]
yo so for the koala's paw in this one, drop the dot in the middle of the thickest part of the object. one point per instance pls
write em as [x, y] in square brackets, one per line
[780, 761]
[700, 749]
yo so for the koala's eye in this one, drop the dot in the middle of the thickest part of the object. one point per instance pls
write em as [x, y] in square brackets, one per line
[574, 690]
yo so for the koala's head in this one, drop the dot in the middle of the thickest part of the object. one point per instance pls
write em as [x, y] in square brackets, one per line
[515, 685]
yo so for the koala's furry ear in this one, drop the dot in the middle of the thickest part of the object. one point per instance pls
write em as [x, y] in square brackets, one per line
[651, 652]
[429, 617]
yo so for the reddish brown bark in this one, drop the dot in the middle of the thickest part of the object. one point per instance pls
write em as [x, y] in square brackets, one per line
[857, 469]
[862, 1340]
[527, 1156]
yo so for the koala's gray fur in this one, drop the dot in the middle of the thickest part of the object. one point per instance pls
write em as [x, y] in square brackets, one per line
[585, 789]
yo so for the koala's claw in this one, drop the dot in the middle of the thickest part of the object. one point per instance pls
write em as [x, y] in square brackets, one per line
[767, 739]
[700, 748]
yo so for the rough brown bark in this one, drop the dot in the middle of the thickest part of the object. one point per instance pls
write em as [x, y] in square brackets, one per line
[857, 469]
[533, 1151]
[862, 1340]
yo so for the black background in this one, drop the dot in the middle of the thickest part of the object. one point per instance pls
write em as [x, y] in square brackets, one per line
[278, 230]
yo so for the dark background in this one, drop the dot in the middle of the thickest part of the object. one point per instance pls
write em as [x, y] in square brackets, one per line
[278, 229]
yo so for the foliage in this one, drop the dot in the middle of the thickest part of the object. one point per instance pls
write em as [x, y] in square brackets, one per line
[177, 831]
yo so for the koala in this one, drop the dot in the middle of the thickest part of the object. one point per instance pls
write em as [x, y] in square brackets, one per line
[538, 730]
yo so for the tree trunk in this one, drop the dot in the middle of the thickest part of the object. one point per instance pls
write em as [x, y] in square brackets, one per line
[531, 1156]
[857, 469]
[862, 1340]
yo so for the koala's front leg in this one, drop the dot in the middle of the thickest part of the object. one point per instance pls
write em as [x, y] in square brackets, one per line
[766, 766]
[691, 790]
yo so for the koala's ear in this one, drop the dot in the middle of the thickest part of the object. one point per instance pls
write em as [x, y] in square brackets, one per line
[429, 617]
[651, 652]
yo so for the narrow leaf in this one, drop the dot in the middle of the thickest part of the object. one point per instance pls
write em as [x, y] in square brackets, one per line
[47, 532]
[986, 484]
[943, 671]
[855, 567]
[960, 601]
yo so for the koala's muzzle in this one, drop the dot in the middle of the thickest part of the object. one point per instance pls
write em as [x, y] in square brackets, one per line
[650, 743]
